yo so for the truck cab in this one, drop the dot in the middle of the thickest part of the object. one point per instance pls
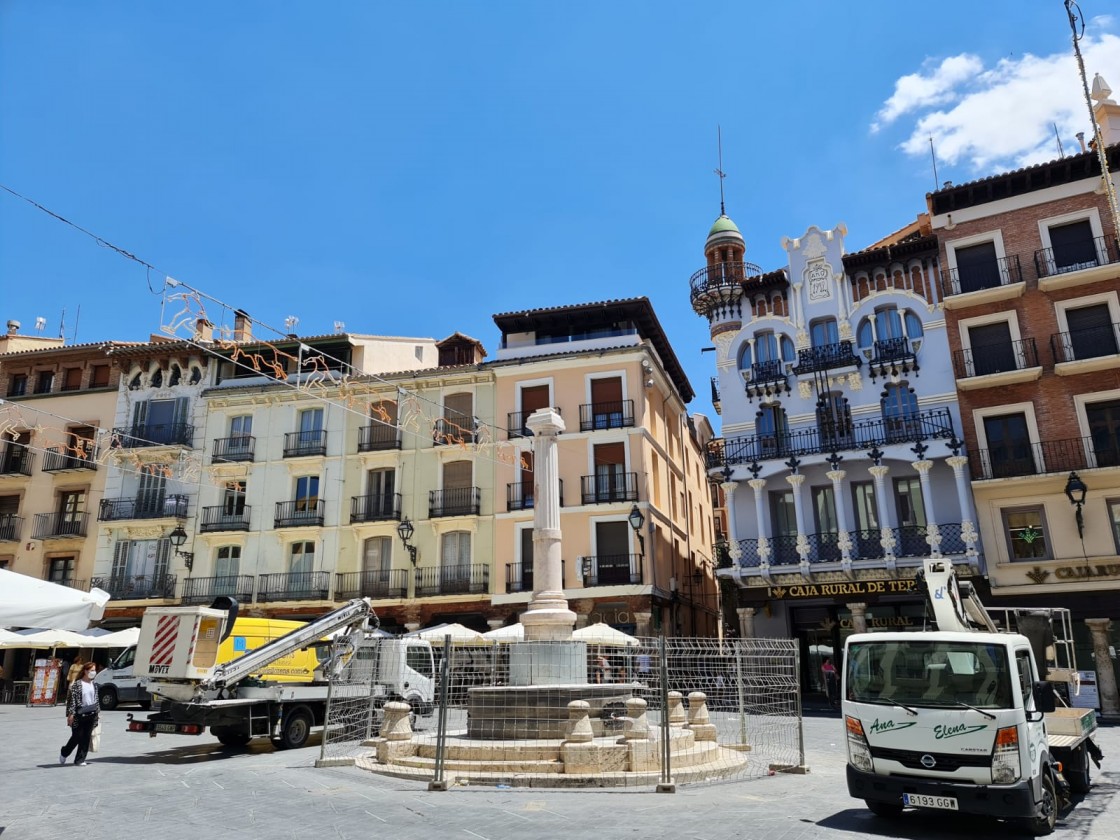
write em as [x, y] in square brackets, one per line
[117, 684]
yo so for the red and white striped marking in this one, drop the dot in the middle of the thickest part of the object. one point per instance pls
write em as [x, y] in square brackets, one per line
[167, 632]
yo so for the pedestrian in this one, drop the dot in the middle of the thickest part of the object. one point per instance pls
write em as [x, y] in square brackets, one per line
[604, 668]
[82, 709]
[828, 671]
[73, 674]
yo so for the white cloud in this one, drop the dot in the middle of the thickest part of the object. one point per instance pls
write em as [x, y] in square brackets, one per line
[1004, 115]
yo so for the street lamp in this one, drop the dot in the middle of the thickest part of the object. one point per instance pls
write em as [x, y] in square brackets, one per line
[1075, 492]
[405, 531]
[636, 521]
[178, 537]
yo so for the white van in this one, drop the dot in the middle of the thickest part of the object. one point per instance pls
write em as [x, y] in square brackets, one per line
[116, 684]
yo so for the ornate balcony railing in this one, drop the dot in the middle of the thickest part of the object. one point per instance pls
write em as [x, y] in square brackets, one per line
[1089, 343]
[11, 526]
[379, 507]
[515, 423]
[222, 518]
[715, 392]
[995, 358]
[611, 569]
[1002, 271]
[292, 514]
[458, 501]
[231, 450]
[16, 460]
[892, 350]
[175, 506]
[606, 415]
[452, 432]
[465, 579]
[378, 583]
[826, 357]
[137, 587]
[1076, 256]
[306, 443]
[159, 434]
[927, 425]
[609, 487]
[519, 577]
[1041, 458]
[203, 590]
[909, 541]
[59, 525]
[719, 280]
[378, 436]
[294, 586]
[63, 460]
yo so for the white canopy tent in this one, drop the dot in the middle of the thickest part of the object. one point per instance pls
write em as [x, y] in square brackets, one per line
[29, 602]
[509, 633]
[120, 639]
[459, 634]
[59, 639]
[8, 639]
[604, 634]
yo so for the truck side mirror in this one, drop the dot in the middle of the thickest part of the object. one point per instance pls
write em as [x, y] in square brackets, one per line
[1043, 697]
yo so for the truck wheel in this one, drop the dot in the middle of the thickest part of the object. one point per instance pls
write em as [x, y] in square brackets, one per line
[1046, 819]
[108, 698]
[295, 730]
[229, 736]
[889, 810]
[1078, 775]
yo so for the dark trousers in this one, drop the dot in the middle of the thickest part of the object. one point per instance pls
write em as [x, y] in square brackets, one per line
[79, 736]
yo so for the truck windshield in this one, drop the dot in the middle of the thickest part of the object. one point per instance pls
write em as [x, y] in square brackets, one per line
[924, 673]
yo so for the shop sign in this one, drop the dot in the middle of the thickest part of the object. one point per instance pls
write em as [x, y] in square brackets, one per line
[887, 621]
[1065, 573]
[846, 589]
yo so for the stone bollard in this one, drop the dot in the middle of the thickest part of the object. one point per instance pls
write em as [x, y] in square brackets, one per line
[699, 723]
[395, 738]
[579, 752]
[677, 716]
[643, 753]
[637, 724]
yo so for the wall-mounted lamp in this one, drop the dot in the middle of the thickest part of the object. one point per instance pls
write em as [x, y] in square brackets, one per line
[636, 521]
[405, 531]
[178, 537]
[1075, 492]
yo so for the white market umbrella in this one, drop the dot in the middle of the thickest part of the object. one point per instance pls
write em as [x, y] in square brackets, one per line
[120, 639]
[8, 639]
[30, 602]
[509, 633]
[604, 634]
[58, 639]
[459, 634]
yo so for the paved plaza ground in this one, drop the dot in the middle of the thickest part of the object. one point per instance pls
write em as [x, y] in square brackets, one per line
[183, 788]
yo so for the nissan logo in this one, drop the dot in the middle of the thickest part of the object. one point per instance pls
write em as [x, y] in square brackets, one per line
[928, 761]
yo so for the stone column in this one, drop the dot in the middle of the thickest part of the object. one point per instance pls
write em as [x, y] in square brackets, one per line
[886, 530]
[933, 533]
[548, 616]
[495, 623]
[758, 485]
[859, 617]
[964, 501]
[844, 538]
[642, 622]
[803, 547]
[746, 622]
[1106, 672]
[732, 532]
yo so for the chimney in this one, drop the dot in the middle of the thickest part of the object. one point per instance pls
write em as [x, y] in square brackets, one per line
[203, 330]
[13, 327]
[1081, 141]
[947, 185]
[242, 326]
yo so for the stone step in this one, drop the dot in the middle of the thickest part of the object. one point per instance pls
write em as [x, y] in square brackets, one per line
[476, 750]
[477, 769]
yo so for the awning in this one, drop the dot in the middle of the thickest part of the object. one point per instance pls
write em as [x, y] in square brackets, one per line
[30, 602]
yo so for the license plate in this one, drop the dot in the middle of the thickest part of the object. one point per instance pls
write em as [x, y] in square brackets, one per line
[165, 727]
[921, 800]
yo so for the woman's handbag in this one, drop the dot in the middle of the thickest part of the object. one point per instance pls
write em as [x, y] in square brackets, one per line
[95, 737]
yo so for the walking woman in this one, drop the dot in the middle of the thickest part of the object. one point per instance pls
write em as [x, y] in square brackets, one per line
[82, 708]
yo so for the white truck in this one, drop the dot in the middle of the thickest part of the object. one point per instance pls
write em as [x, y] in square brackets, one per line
[178, 656]
[964, 718]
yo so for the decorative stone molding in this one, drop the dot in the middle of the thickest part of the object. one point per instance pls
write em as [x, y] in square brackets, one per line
[923, 467]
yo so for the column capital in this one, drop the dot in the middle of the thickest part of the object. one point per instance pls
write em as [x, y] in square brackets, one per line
[923, 467]
[757, 484]
[1099, 624]
[879, 472]
[795, 480]
[728, 487]
[545, 421]
[957, 462]
[857, 608]
[836, 476]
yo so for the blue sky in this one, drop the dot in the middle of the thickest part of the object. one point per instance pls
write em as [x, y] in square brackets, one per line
[414, 168]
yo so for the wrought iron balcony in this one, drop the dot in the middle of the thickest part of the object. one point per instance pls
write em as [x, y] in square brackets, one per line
[379, 507]
[294, 586]
[65, 460]
[519, 495]
[137, 587]
[303, 444]
[1077, 256]
[611, 569]
[1002, 271]
[203, 590]
[160, 434]
[909, 541]
[1048, 456]
[826, 357]
[378, 436]
[299, 512]
[223, 518]
[231, 450]
[609, 487]
[890, 351]
[995, 358]
[54, 526]
[448, 432]
[16, 460]
[519, 577]
[515, 423]
[717, 284]
[1090, 343]
[144, 507]
[864, 434]
[606, 415]
[379, 583]
[453, 580]
[11, 527]
[458, 501]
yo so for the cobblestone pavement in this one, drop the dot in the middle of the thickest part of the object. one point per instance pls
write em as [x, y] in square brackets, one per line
[180, 787]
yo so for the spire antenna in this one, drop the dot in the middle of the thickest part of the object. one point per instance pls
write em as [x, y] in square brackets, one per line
[719, 171]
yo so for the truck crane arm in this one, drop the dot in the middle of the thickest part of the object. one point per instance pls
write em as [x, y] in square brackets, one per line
[954, 604]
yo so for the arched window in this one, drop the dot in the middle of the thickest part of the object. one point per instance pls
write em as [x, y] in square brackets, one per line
[888, 323]
[913, 325]
[865, 335]
[900, 413]
[772, 431]
[823, 332]
[789, 354]
[766, 347]
[745, 356]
